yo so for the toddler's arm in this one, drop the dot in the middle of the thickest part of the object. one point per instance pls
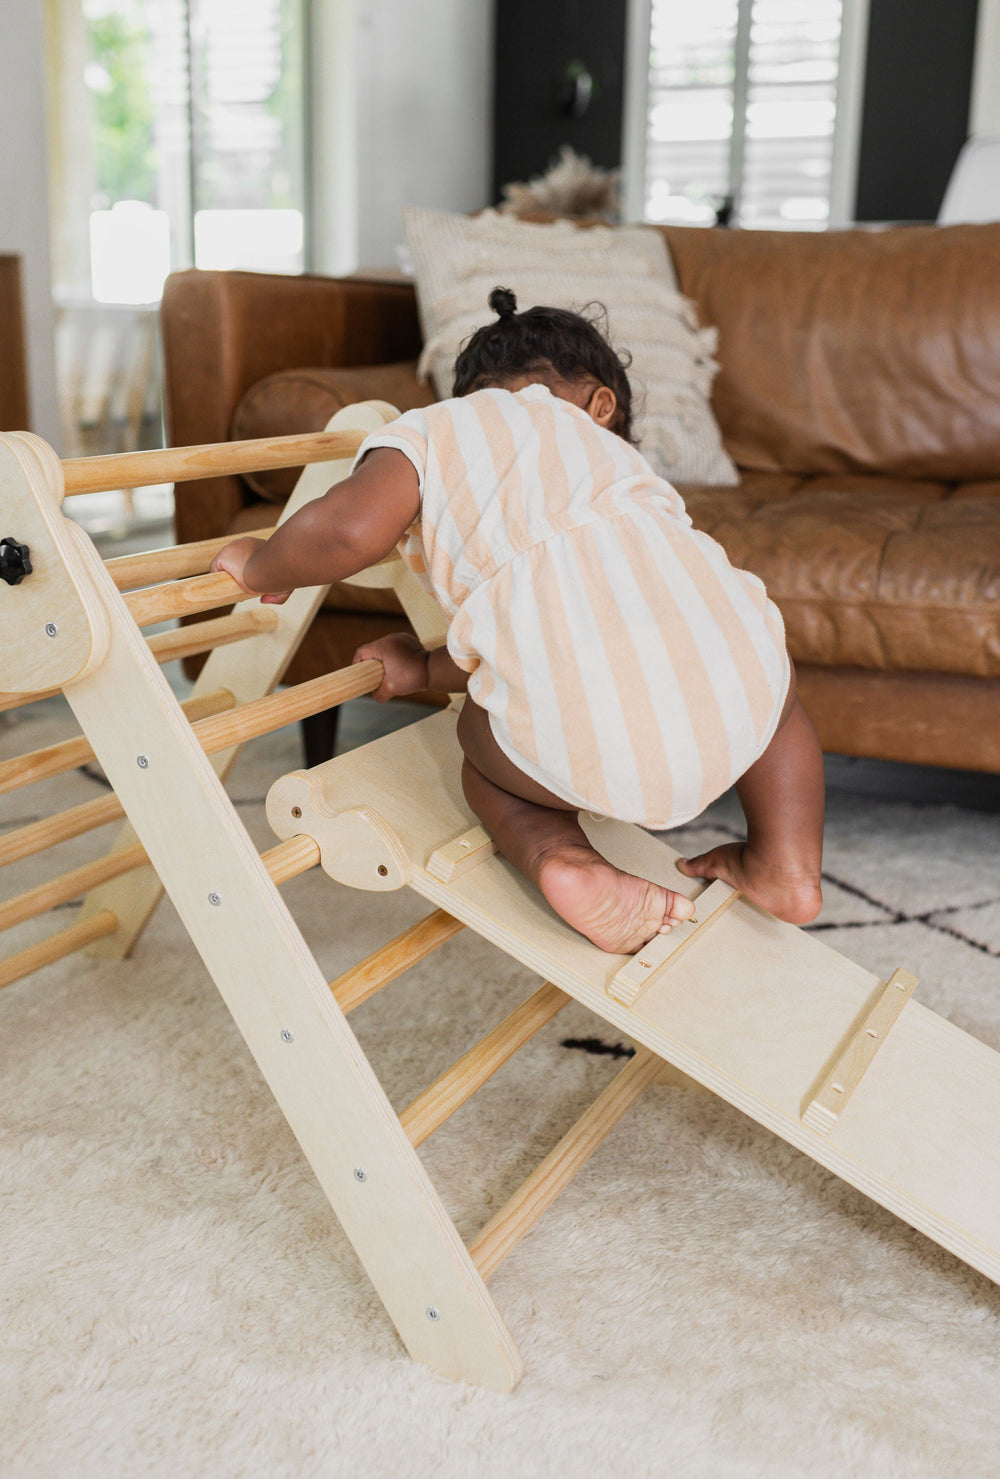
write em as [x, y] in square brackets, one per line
[355, 524]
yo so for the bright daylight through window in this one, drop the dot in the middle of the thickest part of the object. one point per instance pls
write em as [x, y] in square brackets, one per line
[742, 103]
[185, 141]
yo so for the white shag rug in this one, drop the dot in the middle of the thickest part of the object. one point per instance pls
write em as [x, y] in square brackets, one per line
[703, 1302]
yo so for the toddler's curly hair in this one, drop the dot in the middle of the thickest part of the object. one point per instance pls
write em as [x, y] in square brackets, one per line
[569, 345]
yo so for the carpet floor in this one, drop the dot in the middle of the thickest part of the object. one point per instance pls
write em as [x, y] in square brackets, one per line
[703, 1302]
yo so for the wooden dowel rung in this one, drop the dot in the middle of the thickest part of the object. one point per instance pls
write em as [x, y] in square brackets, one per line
[21, 700]
[40, 765]
[458, 1084]
[37, 836]
[211, 460]
[72, 885]
[183, 597]
[174, 562]
[76, 937]
[290, 858]
[185, 641]
[205, 636]
[283, 862]
[251, 720]
[549, 1178]
[390, 961]
[275, 710]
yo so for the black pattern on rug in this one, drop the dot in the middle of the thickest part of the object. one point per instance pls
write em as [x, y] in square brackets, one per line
[891, 914]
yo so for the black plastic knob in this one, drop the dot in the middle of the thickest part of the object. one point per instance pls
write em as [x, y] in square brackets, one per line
[14, 562]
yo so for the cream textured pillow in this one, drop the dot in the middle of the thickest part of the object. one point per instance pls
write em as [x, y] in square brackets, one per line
[458, 260]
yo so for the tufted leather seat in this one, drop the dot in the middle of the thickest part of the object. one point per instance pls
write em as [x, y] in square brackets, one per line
[898, 578]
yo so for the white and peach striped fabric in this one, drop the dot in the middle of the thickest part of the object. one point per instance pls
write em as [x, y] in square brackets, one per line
[624, 663]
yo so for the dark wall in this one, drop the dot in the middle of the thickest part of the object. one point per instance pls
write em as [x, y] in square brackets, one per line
[915, 114]
[539, 46]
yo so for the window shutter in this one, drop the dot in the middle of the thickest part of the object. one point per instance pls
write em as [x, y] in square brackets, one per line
[741, 105]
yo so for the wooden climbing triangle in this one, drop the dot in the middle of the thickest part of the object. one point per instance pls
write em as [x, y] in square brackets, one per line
[850, 1069]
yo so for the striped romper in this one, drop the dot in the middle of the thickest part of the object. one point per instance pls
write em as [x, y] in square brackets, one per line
[624, 664]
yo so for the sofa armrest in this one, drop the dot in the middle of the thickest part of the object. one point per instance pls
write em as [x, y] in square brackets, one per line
[224, 331]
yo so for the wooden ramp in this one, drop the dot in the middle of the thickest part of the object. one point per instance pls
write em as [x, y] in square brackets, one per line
[849, 1069]
[869, 1083]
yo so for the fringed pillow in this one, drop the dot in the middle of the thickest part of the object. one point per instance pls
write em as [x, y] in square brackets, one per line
[457, 260]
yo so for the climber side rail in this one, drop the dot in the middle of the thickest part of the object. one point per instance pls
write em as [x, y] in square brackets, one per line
[68, 626]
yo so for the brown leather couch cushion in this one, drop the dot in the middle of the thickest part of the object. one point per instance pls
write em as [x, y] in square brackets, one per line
[304, 400]
[853, 351]
[870, 573]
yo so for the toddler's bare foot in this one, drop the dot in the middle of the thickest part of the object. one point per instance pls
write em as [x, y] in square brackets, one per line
[616, 911]
[788, 893]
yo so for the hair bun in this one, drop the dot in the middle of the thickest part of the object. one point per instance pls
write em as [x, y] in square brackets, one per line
[503, 302]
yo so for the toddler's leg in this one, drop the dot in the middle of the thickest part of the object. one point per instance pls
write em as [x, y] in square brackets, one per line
[783, 798]
[542, 837]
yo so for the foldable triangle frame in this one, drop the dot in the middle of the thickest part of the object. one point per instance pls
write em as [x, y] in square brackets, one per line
[850, 1069]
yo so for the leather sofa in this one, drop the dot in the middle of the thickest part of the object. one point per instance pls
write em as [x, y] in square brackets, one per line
[858, 394]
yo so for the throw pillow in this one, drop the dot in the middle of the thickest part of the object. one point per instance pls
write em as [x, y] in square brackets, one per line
[457, 260]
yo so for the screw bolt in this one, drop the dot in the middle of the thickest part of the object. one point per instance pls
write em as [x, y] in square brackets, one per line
[142, 761]
[287, 1035]
[51, 630]
[360, 1174]
[383, 871]
[433, 1313]
[215, 899]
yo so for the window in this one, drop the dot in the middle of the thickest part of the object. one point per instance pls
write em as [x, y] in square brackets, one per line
[745, 111]
[177, 138]
[180, 139]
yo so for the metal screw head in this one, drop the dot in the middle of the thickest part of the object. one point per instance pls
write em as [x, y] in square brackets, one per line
[383, 871]
[214, 898]
[433, 1313]
[51, 630]
[287, 1035]
[360, 1174]
[142, 761]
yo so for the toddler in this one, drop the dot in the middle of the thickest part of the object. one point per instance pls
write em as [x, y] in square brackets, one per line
[612, 659]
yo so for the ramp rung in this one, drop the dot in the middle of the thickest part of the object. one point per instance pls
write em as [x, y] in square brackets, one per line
[456, 858]
[843, 1078]
[664, 950]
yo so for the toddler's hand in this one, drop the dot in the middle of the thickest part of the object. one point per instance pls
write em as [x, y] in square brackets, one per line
[233, 559]
[404, 662]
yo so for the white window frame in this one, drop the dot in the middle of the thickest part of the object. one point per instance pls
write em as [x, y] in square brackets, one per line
[847, 128]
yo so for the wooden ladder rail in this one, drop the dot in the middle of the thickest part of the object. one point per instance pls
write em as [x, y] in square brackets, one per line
[170, 646]
[268, 978]
[249, 669]
[283, 862]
